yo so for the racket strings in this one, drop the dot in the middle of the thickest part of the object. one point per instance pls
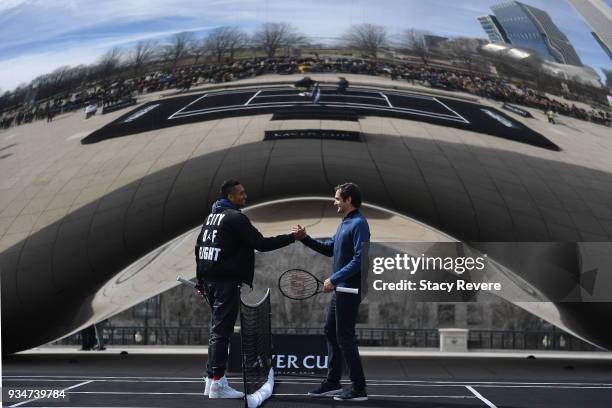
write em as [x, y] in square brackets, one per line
[298, 284]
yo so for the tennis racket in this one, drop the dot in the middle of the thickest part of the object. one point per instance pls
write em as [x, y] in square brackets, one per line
[298, 284]
[186, 282]
[201, 290]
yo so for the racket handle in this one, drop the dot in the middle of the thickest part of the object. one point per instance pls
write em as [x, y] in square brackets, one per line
[185, 281]
[348, 290]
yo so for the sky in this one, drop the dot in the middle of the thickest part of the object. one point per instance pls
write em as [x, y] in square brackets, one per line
[37, 36]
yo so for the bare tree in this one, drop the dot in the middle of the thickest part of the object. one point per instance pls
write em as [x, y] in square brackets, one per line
[225, 40]
[273, 36]
[367, 38]
[238, 39]
[414, 40]
[142, 54]
[179, 46]
[110, 60]
[507, 316]
[197, 48]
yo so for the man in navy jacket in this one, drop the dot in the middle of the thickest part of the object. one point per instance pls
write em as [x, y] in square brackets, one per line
[346, 248]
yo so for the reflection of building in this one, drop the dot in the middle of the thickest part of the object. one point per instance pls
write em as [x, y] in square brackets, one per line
[608, 74]
[494, 30]
[532, 28]
[598, 15]
[584, 74]
[433, 41]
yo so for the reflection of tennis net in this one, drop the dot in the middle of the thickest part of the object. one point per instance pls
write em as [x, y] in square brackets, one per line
[256, 341]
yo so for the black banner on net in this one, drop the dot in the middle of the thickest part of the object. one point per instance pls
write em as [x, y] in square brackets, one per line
[463, 272]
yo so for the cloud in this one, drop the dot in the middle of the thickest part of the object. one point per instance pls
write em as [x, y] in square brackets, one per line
[61, 30]
[31, 65]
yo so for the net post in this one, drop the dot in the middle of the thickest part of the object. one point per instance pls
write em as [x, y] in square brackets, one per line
[244, 379]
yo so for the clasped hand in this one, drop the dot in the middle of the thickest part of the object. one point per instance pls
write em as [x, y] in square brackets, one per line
[298, 232]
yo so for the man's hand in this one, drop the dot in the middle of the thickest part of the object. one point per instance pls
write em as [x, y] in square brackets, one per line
[298, 232]
[328, 286]
[201, 291]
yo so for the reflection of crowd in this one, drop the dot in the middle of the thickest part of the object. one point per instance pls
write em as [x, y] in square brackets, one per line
[108, 93]
[495, 88]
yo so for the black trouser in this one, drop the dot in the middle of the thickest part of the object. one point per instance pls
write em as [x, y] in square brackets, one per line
[224, 299]
[341, 339]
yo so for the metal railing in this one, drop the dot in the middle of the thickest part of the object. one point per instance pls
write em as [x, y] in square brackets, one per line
[529, 340]
[379, 337]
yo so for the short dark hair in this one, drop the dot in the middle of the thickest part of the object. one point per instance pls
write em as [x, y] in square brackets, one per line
[228, 187]
[350, 190]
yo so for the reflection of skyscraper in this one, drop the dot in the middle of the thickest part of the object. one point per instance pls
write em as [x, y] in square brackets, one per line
[598, 15]
[608, 74]
[493, 29]
[532, 28]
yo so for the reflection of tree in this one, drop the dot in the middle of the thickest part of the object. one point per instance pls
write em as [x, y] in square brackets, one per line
[465, 49]
[179, 46]
[414, 40]
[507, 316]
[109, 61]
[141, 54]
[225, 40]
[367, 38]
[271, 37]
[404, 313]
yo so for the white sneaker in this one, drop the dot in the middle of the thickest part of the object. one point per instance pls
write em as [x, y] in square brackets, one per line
[207, 386]
[221, 389]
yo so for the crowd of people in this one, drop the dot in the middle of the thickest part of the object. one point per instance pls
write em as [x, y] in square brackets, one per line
[107, 93]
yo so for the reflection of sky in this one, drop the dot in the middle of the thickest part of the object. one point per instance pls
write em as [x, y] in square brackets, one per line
[38, 36]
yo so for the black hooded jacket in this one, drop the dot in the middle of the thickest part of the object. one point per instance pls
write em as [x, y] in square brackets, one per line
[224, 249]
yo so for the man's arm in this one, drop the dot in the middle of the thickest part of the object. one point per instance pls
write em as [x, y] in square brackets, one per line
[252, 237]
[360, 235]
[323, 247]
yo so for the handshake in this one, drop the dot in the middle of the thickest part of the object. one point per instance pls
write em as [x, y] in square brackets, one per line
[298, 232]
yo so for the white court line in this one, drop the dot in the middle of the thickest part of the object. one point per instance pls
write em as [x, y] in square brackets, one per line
[410, 95]
[303, 380]
[559, 387]
[274, 395]
[388, 396]
[276, 104]
[406, 110]
[358, 105]
[480, 397]
[65, 389]
[386, 99]
[248, 90]
[372, 383]
[327, 95]
[252, 97]
[443, 104]
[188, 105]
[239, 107]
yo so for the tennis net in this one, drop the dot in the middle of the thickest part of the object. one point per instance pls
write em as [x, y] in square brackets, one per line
[256, 345]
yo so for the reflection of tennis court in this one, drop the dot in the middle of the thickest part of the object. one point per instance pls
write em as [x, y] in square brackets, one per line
[373, 101]
[357, 103]
[161, 379]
